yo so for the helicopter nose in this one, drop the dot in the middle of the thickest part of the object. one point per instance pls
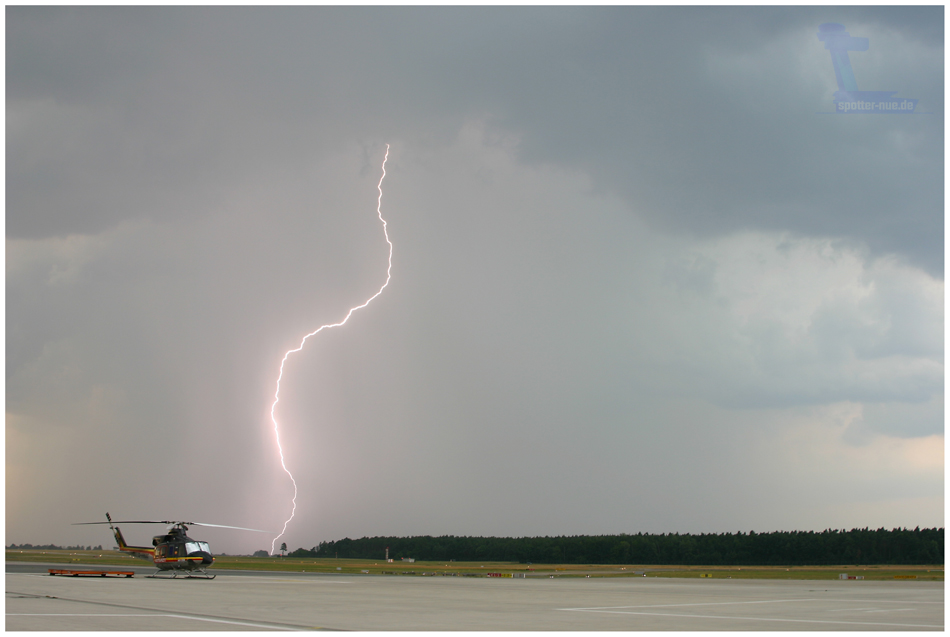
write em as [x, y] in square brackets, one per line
[206, 558]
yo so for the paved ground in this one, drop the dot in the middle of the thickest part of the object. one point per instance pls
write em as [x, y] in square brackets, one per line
[282, 601]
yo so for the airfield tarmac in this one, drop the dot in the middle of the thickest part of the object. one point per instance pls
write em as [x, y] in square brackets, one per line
[298, 601]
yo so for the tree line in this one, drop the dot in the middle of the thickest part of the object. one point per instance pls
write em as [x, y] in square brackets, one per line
[786, 548]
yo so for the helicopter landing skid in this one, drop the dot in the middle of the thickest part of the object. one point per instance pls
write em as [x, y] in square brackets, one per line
[195, 574]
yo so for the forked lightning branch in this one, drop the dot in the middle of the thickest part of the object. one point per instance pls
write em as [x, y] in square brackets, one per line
[273, 416]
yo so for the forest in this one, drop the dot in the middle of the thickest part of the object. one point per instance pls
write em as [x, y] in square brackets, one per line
[786, 548]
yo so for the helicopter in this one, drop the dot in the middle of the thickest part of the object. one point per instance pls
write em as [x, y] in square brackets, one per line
[173, 552]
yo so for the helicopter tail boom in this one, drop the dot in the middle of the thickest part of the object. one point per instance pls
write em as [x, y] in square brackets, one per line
[131, 549]
[121, 540]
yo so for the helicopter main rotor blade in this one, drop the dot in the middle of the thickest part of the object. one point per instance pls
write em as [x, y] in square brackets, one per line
[127, 522]
[222, 526]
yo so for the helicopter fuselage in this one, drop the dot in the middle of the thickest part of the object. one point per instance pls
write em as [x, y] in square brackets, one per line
[172, 551]
[178, 551]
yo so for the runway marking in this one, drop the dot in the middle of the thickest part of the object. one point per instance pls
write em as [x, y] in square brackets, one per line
[884, 601]
[297, 580]
[201, 619]
[763, 601]
[868, 610]
[238, 623]
[761, 619]
[159, 613]
[31, 574]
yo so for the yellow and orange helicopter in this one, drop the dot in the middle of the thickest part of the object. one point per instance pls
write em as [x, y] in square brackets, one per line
[174, 551]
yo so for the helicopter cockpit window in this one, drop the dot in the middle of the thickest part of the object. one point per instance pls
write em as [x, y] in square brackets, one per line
[194, 547]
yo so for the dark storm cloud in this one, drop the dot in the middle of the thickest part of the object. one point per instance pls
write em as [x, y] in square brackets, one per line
[638, 95]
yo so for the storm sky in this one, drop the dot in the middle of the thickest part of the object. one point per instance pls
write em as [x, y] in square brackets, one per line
[642, 279]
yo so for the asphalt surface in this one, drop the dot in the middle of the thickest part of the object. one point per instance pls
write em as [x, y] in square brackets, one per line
[298, 601]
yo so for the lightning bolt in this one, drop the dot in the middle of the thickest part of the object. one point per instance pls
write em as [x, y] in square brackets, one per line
[379, 206]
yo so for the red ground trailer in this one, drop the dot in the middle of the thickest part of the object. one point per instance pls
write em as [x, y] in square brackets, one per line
[57, 571]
